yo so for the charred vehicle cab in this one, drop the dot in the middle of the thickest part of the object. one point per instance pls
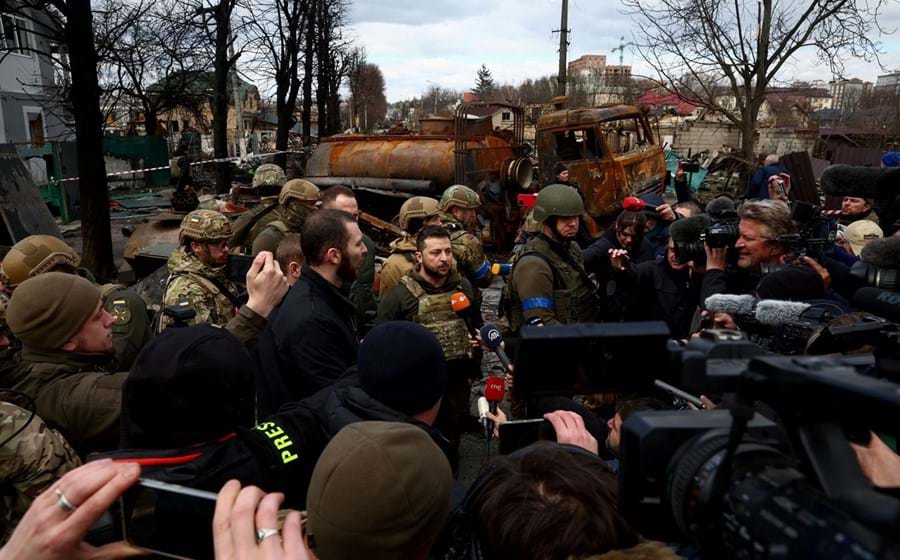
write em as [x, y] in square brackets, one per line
[609, 151]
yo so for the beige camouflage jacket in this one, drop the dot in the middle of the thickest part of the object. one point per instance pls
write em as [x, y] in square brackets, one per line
[198, 286]
[30, 462]
[468, 253]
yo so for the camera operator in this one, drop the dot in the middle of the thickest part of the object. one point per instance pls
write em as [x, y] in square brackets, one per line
[762, 222]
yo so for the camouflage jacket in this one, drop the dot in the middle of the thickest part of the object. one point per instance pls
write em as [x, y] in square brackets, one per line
[201, 287]
[468, 252]
[131, 329]
[268, 232]
[401, 260]
[76, 394]
[30, 462]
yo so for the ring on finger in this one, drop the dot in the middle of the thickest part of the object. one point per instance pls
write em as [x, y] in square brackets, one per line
[62, 501]
[263, 534]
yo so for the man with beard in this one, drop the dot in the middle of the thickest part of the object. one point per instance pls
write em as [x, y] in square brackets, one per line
[424, 295]
[311, 339]
[197, 271]
[549, 285]
[459, 213]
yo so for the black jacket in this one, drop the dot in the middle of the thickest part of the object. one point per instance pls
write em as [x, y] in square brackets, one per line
[663, 294]
[309, 343]
[733, 281]
[613, 302]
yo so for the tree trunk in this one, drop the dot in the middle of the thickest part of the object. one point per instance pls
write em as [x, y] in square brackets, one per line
[97, 252]
[324, 66]
[748, 141]
[151, 121]
[285, 114]
[306, 116]
[220, 99]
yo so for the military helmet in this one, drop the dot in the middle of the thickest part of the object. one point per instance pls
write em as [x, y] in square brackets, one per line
[35, 255]
[268, 175]
[459, 195]
[205, 225]
[298, 189]
[417, 207]
[557, 200]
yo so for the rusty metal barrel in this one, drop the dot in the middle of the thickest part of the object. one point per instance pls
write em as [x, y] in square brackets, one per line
[414, 164]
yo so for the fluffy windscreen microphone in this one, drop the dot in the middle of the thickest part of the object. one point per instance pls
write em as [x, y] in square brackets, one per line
[882, 253]
[688, 229]
[851, 180]
[716, 207]
[776, 312]
[734, 305]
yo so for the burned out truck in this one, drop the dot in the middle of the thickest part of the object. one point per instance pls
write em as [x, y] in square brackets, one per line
[609, 150]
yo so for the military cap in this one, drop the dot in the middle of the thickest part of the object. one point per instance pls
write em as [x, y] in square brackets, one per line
[205, 225]
[418, 207]
[459, 195]
[268, 175]
[298, 189]
[35, 255]
[557, 200]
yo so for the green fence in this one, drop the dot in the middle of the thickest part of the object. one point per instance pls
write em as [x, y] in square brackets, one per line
[153, 150]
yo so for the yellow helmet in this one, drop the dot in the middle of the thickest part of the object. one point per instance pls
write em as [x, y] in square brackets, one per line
[35, 255]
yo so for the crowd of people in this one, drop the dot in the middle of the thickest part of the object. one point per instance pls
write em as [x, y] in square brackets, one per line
[337, 386]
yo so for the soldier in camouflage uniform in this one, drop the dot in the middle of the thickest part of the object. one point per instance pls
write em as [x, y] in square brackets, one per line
[424, 295]
[37, 254]
[549, 285]
[459, 206]
[32, 457]
[416, 213]
[197, 271]
[264, 227]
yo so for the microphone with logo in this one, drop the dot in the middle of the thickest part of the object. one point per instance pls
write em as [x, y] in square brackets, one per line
[461, 305]
[494, 391]
[492, 339]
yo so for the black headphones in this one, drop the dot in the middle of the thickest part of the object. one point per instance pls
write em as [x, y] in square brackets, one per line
[460, 540]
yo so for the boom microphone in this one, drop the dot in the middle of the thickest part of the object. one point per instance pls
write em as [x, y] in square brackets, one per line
[461, 305]
[776, 312]
[882, 253]
[688, 229]
[877, 301]
[734, 305]
[491, 337]
[888, 184]
[851, 180]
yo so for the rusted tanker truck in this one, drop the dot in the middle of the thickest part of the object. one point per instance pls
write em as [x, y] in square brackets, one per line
[609, 150]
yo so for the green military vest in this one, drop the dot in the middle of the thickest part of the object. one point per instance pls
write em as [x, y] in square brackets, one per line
[573, 291]
[436, 314]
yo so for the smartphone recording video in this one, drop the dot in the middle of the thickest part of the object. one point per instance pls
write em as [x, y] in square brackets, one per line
[169, 520]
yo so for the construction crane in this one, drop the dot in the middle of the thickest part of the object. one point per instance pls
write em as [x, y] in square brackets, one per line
[621, 49]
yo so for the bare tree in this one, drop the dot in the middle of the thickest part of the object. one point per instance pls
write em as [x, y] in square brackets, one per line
[332, 62]
[367, 96]
[723, 55]
[71, 23]
[277, 31]
[439, 100]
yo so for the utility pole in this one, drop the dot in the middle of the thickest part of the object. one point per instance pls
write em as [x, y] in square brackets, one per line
[563, 46]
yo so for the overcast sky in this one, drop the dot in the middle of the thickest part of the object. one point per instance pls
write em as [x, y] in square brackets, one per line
[446, 41]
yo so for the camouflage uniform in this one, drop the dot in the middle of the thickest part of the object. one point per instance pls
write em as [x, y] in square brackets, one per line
[401, 260]
[37, 254]
[266, 227]
[467, 250]
[195, 284]
[30, 462]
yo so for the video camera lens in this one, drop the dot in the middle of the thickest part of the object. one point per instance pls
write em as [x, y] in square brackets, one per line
[884, 278]
[721, 234]
[687, 251]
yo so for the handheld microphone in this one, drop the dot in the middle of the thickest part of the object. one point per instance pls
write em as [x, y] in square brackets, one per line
[633, 204]
[877, 301]
[483, 407]
[501, 269]
[494, 390]
[526, 200]
[461, 305]
[492, 338]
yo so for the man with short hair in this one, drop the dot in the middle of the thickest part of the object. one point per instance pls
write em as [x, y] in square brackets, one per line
[312, 338]
[362, 292]
[290, 257]
[416, 213]
[759, 183]
[854, 209]
[459, 212]
[425, 295]
[66, 359]
[763, 223]
[624, 409]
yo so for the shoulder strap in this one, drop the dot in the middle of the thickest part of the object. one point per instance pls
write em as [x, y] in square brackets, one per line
[538, 254]
[280, 226]
[240, 236]
[414, 288]
[234, 299]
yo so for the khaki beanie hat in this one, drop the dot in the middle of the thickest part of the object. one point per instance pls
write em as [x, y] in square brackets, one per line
[380, 490]
[46, 311]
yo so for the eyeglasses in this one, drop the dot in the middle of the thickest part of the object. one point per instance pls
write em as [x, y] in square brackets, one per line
[221, 245]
